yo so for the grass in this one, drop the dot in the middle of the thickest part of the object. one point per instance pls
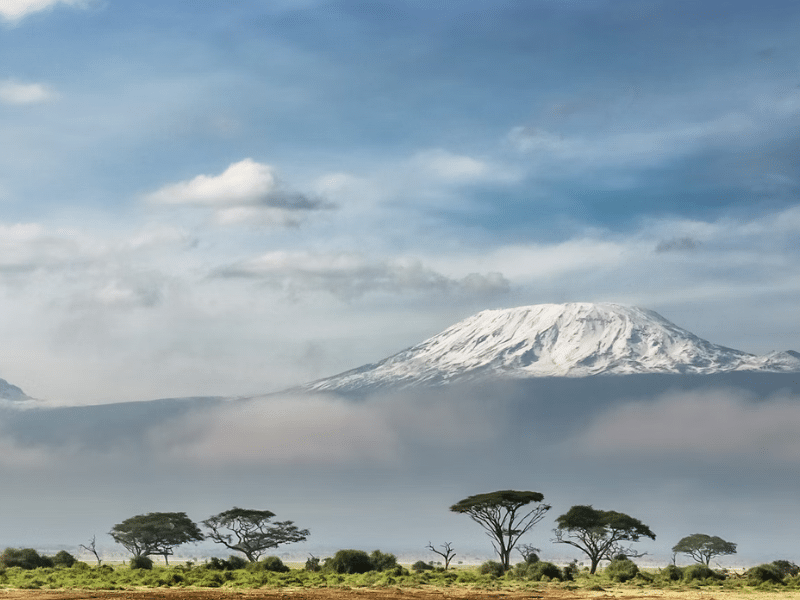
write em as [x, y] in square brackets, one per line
[83, 576]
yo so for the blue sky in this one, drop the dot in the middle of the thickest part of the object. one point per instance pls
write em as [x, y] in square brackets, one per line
[231, 198]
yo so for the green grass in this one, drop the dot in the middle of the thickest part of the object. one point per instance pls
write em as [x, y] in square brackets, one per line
[83, 576]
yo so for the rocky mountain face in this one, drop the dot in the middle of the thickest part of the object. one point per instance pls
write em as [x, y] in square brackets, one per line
[555, 340]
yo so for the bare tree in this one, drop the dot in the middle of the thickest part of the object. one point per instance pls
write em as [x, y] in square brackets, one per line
[529, 552]
[446, 553]
[92, 547]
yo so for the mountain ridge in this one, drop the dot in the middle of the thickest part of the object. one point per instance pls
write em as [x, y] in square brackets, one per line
[576, 339]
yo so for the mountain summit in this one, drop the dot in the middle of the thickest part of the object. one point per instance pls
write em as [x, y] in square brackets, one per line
[555, 340]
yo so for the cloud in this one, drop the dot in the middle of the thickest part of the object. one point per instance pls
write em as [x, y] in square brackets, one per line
[642, 148]
[718, 425]
[246, 190]
[14, 92]
[14, 10]
[445, 165]
[685, 243]
[349, 275]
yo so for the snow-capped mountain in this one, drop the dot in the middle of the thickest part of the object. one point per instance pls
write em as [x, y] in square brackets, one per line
[555, 340]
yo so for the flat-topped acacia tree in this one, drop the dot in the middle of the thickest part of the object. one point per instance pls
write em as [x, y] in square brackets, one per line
[703, 548]
[600, 533]
[251, 532]
[155, 533]
[505, 515]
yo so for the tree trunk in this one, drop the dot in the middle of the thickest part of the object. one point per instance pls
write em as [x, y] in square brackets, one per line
[595, 562]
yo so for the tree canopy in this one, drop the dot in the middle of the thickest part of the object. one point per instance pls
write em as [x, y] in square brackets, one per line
[155, 533]
[505, 516]
[600, 533]
[251, 532]
[703, 548]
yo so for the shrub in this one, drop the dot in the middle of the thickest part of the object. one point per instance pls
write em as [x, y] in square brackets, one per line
[312, 564]
[491, 567]
[274, 564]
[141, 562]
[570, 571]
[25, 558]
[236, 562]
[622, 569]
[671, 573]
[541, 569]
[381, 561]
[786, 568]
[420, 566]
[698, 572]
[64, 559]
[349, 561]
[763, 574]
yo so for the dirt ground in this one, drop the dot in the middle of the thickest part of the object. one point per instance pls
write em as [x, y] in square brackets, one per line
[390, 594]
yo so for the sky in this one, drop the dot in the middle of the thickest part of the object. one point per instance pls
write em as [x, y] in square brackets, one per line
[205, 198]
[215, 198]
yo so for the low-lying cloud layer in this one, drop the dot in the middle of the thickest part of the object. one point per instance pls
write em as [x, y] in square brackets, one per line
[674, 458]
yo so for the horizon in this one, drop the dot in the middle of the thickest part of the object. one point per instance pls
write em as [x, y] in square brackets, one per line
[215, 199]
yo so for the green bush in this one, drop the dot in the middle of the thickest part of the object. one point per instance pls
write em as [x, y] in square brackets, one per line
[381, 561]
[698, 572]
[349, 561]
[141, 562]
[273, 564]
[312, 564]
[491, 567]
[763, 574]
[420, 566]
[786, 568]
[25, 558]
[621, 569]
[671, 573]
[64, 559]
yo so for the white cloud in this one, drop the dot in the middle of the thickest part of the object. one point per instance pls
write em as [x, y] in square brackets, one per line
[451, 167]
[349, 275]
[14, 92]
[14, 10]
[246, 192]
[242, 183]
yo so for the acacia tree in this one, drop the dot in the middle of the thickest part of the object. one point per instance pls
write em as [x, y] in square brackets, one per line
[600, 533]
[251, 532]
[155, 533]
[703, 548]
[505, 517]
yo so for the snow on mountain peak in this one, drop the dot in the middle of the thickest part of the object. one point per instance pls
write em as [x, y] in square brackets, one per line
[555, 340]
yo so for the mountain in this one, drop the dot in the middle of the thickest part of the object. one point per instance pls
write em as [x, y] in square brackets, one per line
[554, 340]
[11, 392]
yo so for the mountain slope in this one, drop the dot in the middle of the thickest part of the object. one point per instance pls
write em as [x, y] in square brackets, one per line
[11, 392]
[555, 340]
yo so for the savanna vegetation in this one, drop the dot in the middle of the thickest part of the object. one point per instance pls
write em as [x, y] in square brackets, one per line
[600, 536]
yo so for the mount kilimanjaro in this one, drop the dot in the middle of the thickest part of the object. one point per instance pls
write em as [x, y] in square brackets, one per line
[554, 340]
